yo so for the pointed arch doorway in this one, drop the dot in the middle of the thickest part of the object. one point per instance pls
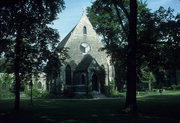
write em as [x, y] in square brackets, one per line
[95, 85]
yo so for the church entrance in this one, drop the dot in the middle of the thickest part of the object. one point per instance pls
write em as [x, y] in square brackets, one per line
[95, 86]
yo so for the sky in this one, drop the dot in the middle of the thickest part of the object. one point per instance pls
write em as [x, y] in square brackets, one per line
[71, 15]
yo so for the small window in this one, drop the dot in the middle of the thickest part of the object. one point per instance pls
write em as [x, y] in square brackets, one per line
[39, 85]
[84, 30]
[85, 47]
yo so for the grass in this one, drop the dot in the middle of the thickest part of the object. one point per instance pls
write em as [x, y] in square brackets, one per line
[150, 93]
[152, 109]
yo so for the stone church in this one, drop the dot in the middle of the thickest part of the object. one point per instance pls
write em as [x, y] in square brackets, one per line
[88, 69]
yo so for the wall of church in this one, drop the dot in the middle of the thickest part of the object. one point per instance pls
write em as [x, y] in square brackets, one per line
[76, 54]
[38, 83]
[83, 40]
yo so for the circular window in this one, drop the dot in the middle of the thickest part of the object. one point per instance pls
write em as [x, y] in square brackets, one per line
[84, 47]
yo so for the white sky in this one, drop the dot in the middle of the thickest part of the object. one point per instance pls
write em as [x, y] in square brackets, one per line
[73, 12]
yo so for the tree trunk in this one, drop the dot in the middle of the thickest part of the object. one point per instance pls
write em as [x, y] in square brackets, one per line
[17, 71]
[149, 86]
[131, 59]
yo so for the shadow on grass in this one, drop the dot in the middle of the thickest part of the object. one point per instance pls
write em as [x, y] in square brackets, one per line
[152, 109]
[163, 106]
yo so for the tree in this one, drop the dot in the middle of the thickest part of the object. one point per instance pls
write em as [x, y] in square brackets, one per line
[163, 27]
[25, 32]
[5, 66]
[146, 76]
[131, 59]
[129, 36]
[105, 22]
[52, 69]
[111, 19]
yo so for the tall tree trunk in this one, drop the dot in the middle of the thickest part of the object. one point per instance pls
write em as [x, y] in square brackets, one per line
[149, 86]
[131, 59]
[17, 70]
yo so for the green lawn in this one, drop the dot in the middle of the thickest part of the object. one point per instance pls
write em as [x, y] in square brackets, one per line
[152, 109]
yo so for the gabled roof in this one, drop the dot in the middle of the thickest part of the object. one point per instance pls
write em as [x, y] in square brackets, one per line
[64, 41]
[83, 19]
[85, 63]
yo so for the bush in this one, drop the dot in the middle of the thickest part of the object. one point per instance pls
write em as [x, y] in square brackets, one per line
[6, 94]
[142, 86]
[167, 88]
[6, 81]
[37, 94]
[110, 90]
[176, 87]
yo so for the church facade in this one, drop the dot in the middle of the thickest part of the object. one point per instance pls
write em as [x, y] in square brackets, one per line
[88, 68]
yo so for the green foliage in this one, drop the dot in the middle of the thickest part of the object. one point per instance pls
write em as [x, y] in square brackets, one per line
[157, 34]
[29, 21]
[37, 93]
[26, 39]
[35, 84]
[5, 66]
[110, 90]
[103, 17]
[146, 75]
[175, 87]
[161, 76]
[164, 26]
[52, 69]
[6, 94]
[7, 80]
[120, 76]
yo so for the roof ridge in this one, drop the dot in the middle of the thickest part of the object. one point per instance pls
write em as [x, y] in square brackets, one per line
[64, 41]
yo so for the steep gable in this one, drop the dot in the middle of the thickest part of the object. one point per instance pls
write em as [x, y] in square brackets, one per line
[78, 30]
[82, 40]
[64, 41]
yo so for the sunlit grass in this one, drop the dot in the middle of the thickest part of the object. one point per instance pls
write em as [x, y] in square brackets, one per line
[151, 93]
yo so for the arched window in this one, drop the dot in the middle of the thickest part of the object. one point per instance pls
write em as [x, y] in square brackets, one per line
[83, 79]
[68, 75]
[39, 85]
[3, 85]
[84, 30]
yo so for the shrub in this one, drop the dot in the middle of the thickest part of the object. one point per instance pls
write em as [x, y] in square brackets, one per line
[175, 87]
[6, 81]
[110, 90]
[6, 94]
[37, 94]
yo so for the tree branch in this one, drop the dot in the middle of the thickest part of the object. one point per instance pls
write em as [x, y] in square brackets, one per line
[120, 4]
[120, 19]
[162, 42]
